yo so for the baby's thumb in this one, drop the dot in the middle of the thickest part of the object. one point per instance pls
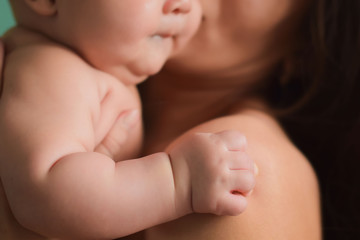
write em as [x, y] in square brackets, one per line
[130, 118]
[113, 145]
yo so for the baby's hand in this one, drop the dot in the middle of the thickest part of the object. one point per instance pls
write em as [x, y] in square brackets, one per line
[220, 172]
[116, 143]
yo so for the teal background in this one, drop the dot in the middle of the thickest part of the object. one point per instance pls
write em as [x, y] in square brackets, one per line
[6, 17]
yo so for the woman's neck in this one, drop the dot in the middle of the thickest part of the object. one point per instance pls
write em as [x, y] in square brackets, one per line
[175, 102]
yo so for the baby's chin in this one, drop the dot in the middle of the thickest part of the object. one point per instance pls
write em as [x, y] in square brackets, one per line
[136, 73]
[147, 69]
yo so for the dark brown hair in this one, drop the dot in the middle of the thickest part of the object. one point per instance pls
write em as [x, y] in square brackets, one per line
[323, 94]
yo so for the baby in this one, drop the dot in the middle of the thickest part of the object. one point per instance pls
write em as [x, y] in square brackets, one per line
[71, 70]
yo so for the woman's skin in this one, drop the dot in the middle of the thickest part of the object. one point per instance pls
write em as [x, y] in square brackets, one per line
[211, 87]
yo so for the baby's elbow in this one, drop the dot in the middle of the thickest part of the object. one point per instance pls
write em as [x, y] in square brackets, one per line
[30, 206]
[30, 217]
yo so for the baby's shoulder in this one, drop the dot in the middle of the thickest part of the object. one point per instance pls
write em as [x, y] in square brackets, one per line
[34, 59]
[28, 48]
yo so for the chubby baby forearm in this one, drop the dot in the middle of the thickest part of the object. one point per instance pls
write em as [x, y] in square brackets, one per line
[88, 195]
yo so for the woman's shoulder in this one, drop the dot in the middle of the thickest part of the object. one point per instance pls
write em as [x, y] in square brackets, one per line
[287, 191]
[285, 201]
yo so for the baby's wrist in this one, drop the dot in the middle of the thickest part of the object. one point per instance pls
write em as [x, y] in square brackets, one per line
[182, 183]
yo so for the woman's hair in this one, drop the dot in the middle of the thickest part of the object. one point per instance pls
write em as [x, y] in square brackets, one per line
[320, 95]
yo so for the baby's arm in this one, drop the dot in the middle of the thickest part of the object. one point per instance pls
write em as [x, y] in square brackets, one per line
[58, 186]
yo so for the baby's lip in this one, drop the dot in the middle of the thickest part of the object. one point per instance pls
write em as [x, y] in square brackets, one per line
[170, 31]
[165, 35]
[172, 25]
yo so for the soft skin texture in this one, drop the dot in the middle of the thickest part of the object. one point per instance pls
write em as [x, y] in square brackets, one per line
[63, 148]
[211, 82]
[214, 81]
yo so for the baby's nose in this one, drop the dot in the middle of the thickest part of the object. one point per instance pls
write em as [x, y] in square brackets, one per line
[177, 6]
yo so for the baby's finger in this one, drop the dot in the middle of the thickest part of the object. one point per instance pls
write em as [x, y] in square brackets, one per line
[116, 139]
[242, 181]
[240, 161]
[232, 204]
[233, 140]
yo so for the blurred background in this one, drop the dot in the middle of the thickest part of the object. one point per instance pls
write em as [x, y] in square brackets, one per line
[6, 18]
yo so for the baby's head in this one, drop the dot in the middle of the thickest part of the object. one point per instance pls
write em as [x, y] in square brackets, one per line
[130, 39]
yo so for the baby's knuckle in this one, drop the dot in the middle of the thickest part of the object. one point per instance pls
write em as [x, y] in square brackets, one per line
[239, 207]
[248, 181]
[236, 135]
[223, 179]
[246, 162]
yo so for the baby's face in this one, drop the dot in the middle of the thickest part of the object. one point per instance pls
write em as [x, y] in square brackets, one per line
[130, 39]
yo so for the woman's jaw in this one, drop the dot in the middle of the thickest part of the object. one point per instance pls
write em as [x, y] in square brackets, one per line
[237, 37]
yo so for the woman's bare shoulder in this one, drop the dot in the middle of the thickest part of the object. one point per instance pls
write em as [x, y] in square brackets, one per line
[285, 202]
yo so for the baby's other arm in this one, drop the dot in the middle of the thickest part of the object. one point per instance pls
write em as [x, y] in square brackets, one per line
[55, 182]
